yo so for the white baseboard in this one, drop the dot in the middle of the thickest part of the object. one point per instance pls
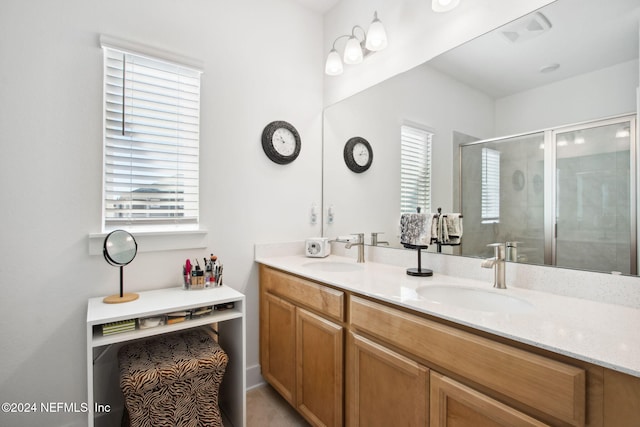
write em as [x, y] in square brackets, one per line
[254, 377]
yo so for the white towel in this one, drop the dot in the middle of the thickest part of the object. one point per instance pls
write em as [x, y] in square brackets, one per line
[451, 228]
[442, 235]
[417, 229]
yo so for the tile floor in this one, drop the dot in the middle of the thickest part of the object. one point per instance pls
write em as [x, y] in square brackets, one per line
[266, 408]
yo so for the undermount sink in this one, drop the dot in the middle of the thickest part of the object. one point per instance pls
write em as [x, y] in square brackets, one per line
[334, 266]
[474, 299]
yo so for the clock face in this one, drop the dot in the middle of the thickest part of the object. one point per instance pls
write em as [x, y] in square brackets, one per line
[284, 142]
[281, 142]
[360, 154]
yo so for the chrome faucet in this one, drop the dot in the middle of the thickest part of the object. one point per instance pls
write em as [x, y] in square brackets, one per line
[375, 241]
[497, 263]
[360, 244]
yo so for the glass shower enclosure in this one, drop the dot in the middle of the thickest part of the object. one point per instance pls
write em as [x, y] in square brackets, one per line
[566, 196]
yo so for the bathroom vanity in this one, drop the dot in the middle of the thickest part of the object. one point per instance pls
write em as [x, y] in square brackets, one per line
[359, 344]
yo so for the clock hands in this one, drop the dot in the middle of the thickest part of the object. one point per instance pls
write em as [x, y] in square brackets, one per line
[281, 142]
[286, 145]
[358, 154]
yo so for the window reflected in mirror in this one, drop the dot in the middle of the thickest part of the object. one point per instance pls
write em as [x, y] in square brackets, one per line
[415, 169]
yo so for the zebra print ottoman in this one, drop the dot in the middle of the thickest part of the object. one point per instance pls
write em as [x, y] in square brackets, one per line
[172, 380]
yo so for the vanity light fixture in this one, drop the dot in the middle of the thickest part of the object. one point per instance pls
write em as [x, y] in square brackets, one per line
[356, 48]
[444, 5]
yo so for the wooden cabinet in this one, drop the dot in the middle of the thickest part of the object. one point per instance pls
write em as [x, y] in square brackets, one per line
[384, 388]
[552, 389]
[456, 405]
[621, 399]
[301, 349]
[319, 369]
[399, 367]
[278, 345]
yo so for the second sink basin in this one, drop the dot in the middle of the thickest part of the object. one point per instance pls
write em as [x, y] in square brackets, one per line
[333, 266]
[474, 299]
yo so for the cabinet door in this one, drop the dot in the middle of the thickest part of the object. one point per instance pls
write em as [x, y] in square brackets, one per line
[456, 405]
[277, 344]
[319, 368]
[384, 388]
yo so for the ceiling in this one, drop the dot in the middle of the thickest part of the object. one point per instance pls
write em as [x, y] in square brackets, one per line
[585, 35]
[321, 6]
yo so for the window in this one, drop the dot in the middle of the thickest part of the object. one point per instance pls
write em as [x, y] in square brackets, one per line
[151, 141]
[415, 169]
[490, 186]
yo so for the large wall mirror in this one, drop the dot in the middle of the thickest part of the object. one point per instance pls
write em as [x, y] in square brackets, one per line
[528, 90]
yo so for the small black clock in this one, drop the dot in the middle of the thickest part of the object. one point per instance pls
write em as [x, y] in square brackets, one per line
[358, 154]
[281, 142]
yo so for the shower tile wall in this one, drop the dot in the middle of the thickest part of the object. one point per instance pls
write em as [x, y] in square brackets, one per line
[593, 203]
[593, 208]
[521, 198]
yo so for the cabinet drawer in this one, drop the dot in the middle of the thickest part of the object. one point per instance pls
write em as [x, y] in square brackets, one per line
[325, 300]
[547, 385]
[453, 403]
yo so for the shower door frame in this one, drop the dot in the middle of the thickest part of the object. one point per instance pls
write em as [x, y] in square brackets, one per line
[550, 181]
[550, 197]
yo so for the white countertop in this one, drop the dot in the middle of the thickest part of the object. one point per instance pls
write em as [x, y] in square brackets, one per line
[598, 333]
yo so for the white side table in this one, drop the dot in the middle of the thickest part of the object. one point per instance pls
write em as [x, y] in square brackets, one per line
[231, 329]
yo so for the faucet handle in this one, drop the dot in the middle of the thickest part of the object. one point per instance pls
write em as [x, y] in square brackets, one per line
[360, 237]
[512, 251]
[374, 238]
[498, 250]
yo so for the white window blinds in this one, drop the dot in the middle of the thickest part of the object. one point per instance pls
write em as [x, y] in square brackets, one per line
[151, 140]
[415, 169]
[490, 185]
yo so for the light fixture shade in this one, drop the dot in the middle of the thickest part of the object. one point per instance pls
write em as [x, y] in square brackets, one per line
[353, 51]
[623, 132]
[444, 5]
[333, 66]
[377, 36]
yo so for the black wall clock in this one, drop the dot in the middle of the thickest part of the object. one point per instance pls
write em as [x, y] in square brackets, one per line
[281, 142]
[358, 154]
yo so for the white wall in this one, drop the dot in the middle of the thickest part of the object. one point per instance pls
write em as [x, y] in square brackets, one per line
[570, 101]
[255, 71]
[416, 34]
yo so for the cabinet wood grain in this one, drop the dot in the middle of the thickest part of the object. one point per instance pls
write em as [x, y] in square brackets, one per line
[305, 293]
[456, 405]
[301, 351]
[319, 369]
[532, 379]
[384, 388]
[621, 399]
[277, 344]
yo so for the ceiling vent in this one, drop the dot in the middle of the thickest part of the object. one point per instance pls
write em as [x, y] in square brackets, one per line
[526, 28]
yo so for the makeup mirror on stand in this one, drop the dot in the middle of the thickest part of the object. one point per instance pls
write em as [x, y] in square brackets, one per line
[120, 248]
